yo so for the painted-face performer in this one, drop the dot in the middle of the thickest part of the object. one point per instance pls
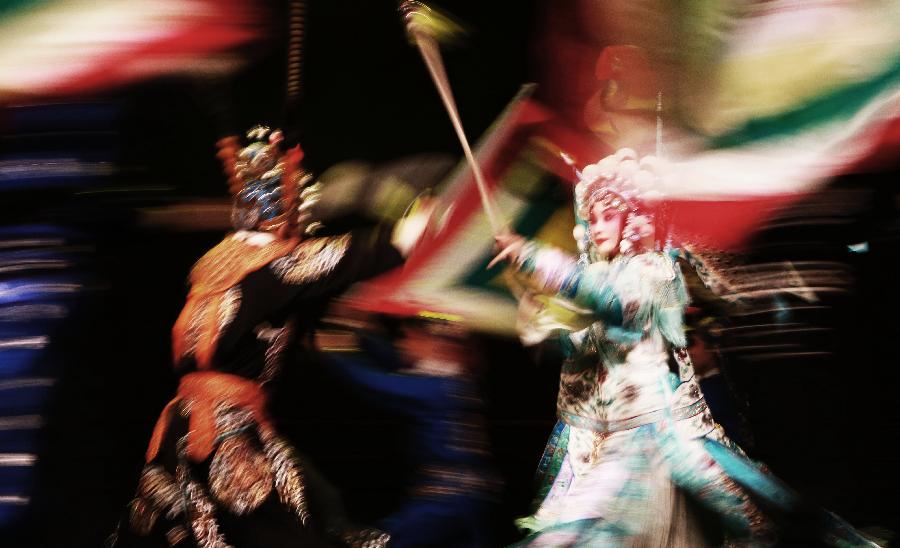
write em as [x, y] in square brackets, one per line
[217, 473]
[635, 438]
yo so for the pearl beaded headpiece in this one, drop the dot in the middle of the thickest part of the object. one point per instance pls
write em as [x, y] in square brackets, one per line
[620, 181]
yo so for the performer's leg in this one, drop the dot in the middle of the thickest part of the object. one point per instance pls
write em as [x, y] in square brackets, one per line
[155, 518]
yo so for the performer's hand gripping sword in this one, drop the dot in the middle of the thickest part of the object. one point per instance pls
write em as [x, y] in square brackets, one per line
[425, 27]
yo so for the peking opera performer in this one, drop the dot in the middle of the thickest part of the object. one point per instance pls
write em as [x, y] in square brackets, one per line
[636, 457]
[217, 473]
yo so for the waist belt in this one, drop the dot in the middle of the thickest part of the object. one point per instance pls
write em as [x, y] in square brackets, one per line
[598, 425]
[202, 393]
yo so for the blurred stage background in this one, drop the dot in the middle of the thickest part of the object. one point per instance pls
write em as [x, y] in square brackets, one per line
[110, 190]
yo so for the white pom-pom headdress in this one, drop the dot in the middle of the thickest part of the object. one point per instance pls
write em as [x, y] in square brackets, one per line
[622, 181]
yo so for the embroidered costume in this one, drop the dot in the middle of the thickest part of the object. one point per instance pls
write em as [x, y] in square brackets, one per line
[217, 473]
[636, 448]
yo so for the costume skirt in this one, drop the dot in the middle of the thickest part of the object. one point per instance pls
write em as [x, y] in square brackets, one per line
[650, 486]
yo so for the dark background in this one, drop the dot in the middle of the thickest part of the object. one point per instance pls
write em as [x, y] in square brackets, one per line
[824, 424]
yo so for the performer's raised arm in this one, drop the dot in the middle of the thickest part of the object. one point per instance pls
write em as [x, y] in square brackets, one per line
[551, 270]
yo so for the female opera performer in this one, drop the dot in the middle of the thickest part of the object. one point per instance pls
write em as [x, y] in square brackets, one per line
[636, 450]
[217, 473]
